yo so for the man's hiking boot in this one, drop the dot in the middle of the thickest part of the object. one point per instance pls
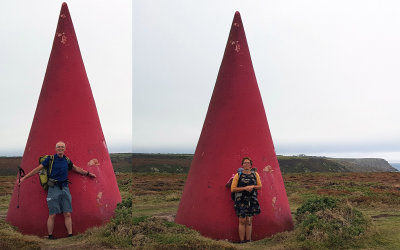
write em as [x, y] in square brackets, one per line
[51, 237]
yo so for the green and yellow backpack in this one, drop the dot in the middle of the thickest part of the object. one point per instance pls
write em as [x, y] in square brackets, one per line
[44, 173]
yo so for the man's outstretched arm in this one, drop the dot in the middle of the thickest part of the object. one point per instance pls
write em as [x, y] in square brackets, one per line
[82, 172]
[30, 174]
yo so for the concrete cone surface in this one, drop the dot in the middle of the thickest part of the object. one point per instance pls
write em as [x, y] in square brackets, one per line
[66, 111]
[235, 127]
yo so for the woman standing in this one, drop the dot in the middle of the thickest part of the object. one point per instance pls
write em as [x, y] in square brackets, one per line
[245, 186]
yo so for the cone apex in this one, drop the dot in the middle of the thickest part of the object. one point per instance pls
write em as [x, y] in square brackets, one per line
[237, 21]
[237, 17]
[64, 8]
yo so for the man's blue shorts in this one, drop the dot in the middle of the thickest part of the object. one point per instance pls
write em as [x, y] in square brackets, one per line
[59, 200]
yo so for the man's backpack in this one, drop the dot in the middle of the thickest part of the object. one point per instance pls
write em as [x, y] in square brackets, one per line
[44, 173]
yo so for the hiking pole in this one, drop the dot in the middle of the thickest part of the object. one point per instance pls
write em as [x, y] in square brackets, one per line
[21, 173]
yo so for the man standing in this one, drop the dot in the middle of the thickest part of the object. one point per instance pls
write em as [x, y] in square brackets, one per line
[58, 197]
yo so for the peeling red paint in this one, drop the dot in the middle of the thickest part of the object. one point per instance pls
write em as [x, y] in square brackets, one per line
[268, 169]
[93, 162]
[63, 37]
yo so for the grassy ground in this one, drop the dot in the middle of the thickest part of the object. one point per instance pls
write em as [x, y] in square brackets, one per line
[112, 235]
[150, 188]
[156, 197]
[375, 195]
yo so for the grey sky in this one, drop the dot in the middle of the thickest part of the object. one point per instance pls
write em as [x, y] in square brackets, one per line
[104, 32]
[328, 72]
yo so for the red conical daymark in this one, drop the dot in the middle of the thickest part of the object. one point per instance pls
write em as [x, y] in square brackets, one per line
[235, 126]
[66, 111]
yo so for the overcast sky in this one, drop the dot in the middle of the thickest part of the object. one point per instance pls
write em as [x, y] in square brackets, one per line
[328, 72]
[104, 32]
